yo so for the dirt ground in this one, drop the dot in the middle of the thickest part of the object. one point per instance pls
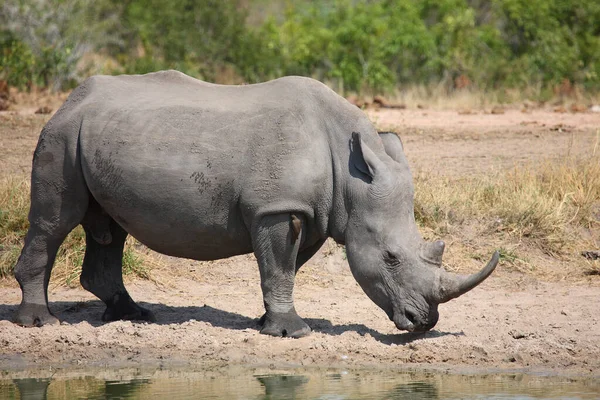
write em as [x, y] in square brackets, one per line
[207, 311]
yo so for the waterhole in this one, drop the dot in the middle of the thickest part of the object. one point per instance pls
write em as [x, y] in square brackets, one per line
[270, 383]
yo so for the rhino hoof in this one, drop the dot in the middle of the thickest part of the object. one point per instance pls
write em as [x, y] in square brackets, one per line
[124, 308]
[139, 314]
[37, 315]
[284, 325]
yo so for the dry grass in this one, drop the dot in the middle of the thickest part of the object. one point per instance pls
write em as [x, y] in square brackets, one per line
[552, 206]
[14, 207]
[472, 98]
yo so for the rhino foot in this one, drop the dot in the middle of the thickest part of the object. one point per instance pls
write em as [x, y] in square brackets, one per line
[284, 325]
[37, 315]
[122, 307]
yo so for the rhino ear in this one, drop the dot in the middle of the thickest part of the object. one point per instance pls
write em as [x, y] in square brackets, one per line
[369, 163]
[393, 146]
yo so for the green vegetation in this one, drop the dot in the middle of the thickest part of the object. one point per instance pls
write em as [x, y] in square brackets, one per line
[368, 46]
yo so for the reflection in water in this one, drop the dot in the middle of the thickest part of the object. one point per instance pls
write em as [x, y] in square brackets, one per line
[265, 384]
[32, 389]
[413, 391]
[123, 390]
[282, 386]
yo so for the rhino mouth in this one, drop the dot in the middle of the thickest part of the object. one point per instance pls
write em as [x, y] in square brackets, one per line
[403, 322]
[406, 321]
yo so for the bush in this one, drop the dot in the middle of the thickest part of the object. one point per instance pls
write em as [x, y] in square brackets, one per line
[357, 45]
[18, 63]
[198, 38]
[44, 41]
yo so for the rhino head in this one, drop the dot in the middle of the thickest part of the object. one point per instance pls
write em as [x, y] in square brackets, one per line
[395, 267]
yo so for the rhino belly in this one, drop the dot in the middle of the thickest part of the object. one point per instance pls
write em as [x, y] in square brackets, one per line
[183, 205]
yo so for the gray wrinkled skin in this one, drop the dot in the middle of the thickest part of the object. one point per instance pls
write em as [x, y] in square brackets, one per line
[206, 171]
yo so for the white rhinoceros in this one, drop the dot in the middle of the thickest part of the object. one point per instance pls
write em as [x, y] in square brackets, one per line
[204, 171]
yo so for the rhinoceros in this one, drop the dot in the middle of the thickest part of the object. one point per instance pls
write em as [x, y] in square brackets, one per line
[205, 171]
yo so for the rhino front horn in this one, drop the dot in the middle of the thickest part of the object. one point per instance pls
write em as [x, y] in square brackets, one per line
[451, 286]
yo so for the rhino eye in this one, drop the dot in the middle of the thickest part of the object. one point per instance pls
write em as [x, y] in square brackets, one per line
[390, 258]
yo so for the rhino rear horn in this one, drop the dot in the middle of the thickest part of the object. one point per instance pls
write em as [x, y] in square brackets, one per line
[433, 252]
[451, 286]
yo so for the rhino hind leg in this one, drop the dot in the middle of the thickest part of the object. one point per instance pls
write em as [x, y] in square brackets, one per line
[59, 199]
[101, 273]
[97, 223]
[276, 252]
[32, 271]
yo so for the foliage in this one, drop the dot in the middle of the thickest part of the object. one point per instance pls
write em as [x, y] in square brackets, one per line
[198, 38]
[357, 45]
[43, 41]
[364, 45]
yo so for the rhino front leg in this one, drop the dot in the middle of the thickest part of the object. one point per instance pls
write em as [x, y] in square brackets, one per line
[276, 248]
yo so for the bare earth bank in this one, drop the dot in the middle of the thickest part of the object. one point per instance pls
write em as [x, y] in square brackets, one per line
[508, 323]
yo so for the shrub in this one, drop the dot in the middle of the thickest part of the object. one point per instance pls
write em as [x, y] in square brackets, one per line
[45, 40]
[357, 45]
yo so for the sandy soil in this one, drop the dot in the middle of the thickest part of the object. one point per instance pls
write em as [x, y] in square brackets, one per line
[453, 143]
[207, 312]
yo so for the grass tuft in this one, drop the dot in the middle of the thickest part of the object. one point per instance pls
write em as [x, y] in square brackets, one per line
[14, 206]
[547, 204]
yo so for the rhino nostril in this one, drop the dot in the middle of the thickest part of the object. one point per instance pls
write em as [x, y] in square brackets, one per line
[411, 317]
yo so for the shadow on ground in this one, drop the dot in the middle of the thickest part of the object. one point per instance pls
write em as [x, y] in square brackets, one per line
[74, 312]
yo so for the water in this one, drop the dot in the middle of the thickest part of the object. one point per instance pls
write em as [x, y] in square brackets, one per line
[246, 383]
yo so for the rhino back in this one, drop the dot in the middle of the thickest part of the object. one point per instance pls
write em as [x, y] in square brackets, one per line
[186, 166]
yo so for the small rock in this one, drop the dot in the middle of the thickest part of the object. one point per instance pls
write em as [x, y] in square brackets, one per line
[563, 312]
[518, 335]
[595, 108]
[578, 108]
[560, 109]
[515, 358]
[379, 101]
[43, 110]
